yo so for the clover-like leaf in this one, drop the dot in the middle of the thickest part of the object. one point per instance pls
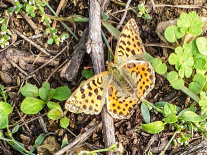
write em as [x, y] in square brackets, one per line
[198, 83]
[201, 43]
[169, 109]
[64, 122]
[176, 82]
[62, 93]
[203, 101]
[160, 68]
[172, 33]
[52, 105]
[190, 23]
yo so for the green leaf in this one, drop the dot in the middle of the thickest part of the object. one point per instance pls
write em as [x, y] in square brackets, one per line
[31, 105]
[190, 23]
[29, 90]
[193, 109]
[87, 73]
[161, 104]
[15, 129]
[183, 21]
[64, 141]
[170, 119]
[64, 122]
[55, 114]
[147, 16]
[192, 117]
[105, 16]
[203, 101]
[201, 43]
[173, 59]
[154, 127]
[114, 31]
[145, 113]
[52, 105]
[159, 67]
[176, 82]
[62, 93]
[65, 35]
[5, 107]
[198, 83]
[199, 62]
[170, 34]
[39, 139]
[43, 91]
[169, 109]
[50, 94]
[188, 71]
[50, 41]
[4, 119]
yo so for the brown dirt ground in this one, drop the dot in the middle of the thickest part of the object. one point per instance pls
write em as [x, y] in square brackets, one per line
[133, 143]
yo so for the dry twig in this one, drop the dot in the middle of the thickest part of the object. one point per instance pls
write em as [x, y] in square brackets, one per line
[79, 139]
[95, 47]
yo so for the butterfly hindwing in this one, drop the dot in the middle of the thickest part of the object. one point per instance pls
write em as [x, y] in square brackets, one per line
[120, 103]
[141, 75]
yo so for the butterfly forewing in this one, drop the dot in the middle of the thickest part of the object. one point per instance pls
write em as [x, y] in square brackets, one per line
[129, 45]
[90, 96]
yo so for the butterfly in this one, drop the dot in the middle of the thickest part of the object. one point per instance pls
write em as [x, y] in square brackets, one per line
[127, 81]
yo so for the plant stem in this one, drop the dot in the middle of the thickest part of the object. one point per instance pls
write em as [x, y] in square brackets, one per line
[110, 53]
[149, 103]
[123, 4]
[168, 143]
[65, 26]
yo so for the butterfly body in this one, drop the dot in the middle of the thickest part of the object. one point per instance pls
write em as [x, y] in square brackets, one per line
[122, 87]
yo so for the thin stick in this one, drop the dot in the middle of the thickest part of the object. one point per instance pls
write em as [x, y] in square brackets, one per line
[31, 42]
[79, 139]
[48, 61]
[57, 12]
[95, 47]
[124, 16]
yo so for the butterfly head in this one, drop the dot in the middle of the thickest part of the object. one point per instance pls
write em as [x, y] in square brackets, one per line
[113, 69]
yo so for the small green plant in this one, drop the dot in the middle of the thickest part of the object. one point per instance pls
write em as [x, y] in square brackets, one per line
[189, 56]
[184, 122]
[19, 146]
[140, 11]
[143, 11]
[5, 33]
[32, 104]
[34, 7]
[5, 108]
